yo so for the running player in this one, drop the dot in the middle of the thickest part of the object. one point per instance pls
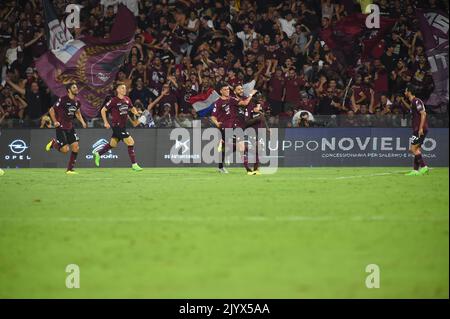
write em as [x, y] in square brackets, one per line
[420, 130]
[118, 106]
[62, 115]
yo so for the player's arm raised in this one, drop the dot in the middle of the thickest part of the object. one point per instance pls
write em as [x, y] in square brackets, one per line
[248, 99]
[104, 117]
[156, 101]
[80, 118]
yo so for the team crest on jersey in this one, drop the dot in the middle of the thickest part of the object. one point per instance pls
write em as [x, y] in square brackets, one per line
[71, 109]
[123, 108]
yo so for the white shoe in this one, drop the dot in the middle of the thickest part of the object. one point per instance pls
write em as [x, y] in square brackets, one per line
[223, 170]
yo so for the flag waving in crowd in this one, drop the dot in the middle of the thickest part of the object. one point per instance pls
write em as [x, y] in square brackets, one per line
[434, 28]
[203, 103]
[91, 62]
[342, 38]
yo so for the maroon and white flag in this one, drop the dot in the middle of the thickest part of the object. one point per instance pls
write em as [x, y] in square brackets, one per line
[91, 62]
[434, 29]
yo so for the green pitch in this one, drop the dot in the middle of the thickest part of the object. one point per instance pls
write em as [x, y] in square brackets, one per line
[193, 233]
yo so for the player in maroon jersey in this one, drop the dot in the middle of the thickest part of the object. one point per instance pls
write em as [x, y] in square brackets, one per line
[229, 113]
[420, 130]
[255, 117]
[62, 115]
[242, 103]
[118, 107]
[218, 118]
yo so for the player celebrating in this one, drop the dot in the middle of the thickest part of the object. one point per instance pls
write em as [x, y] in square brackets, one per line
[231, 111]
[118, 106]
[239, 122]
[420, 130]
[255, 118]
[218, 117]
[62, 115]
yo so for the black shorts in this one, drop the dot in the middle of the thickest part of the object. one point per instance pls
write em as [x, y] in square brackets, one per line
[120, 132]
[66, 137]
[418, 140]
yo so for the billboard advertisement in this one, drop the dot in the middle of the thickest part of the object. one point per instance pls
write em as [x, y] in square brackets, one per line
[295, 147]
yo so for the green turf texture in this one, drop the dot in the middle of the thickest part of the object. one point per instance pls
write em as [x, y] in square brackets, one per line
[194, 233]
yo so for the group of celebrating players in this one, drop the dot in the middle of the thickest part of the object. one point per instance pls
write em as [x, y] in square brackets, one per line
[233, 110]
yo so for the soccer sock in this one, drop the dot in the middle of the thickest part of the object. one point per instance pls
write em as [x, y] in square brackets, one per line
[105, 149]
[222, 156]
[420, 160]
[245, 157]
[132, 154]
[256, 166]
[416, 163]
[73, 159]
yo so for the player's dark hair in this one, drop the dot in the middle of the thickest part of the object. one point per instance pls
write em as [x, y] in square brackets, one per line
[69, 85]
[220, 86]
[117, 84]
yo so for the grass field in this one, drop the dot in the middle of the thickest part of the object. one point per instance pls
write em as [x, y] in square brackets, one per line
[193, 233]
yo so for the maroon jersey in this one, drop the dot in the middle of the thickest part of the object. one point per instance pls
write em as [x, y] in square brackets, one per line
[65, 109]
[418, 106]
[230, 111]
[250, 114]
[357, 90]
[293, 86]
[240, 113]
[218, 112]
[276, 88]
[119, 110]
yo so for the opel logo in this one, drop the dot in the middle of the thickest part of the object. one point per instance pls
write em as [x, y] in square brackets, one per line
[18, 146]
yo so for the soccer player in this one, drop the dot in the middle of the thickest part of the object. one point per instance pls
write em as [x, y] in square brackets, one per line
[420, 130]
[240, 122]
[231, 111]
[62, 115]
[218, 117]
[255, 118]
[118, 106]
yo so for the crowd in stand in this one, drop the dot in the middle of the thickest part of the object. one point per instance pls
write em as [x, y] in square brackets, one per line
[185, 47]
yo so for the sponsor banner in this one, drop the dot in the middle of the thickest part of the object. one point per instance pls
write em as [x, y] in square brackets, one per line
[15, 148]
[93, 140]
[168, 148]
[360, 147]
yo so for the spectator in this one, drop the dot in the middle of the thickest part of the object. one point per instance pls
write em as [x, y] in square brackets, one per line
[191, 45]
[293, 85]
[141, 93]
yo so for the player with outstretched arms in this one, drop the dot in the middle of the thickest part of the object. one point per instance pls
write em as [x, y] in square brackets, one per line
[118, 107]
[62, 115]
[420, 130]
